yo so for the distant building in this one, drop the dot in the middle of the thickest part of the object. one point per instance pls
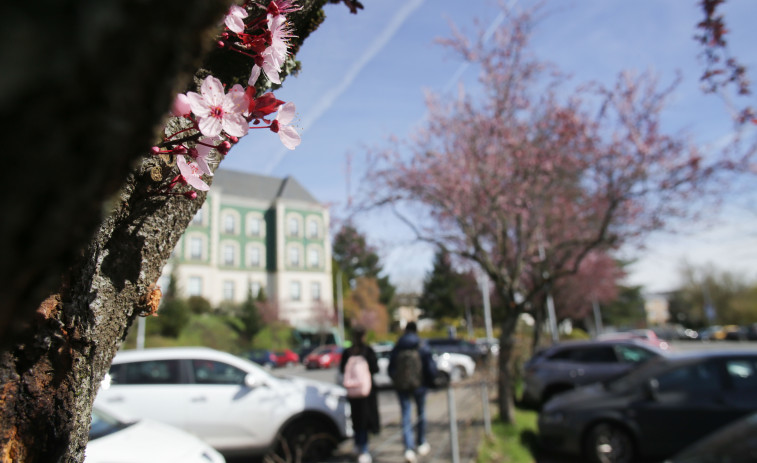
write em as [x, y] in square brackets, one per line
[262, 233]
[656, 308]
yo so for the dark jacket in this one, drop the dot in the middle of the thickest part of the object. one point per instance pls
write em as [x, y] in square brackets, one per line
[411, 340]
[365, 414]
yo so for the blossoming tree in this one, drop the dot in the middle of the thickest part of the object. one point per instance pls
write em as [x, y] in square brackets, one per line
[530, 179]
[107, 176]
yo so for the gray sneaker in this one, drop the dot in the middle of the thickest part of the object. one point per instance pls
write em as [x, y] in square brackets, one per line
[424, 449]
[410, 456]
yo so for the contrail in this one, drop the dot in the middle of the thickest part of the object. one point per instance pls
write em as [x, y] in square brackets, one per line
[328, 98]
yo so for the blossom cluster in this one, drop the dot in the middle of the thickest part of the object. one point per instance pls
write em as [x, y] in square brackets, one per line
[216, 119]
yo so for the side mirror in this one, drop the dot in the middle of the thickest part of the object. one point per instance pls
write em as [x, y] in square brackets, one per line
[652, 389]
[253, 381]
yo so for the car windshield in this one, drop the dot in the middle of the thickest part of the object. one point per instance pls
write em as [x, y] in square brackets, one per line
[104, 424]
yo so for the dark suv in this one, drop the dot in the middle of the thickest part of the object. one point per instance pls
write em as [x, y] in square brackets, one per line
[574, 363]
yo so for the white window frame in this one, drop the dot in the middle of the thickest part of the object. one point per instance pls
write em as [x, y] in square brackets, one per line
[295, 290]
[229, 290]
[254, 250]
[194, 286]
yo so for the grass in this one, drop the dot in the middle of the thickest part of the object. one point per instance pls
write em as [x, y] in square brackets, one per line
[511, 443]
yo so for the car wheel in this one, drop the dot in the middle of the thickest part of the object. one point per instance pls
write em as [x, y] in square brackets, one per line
[302, 441]
[609, 443]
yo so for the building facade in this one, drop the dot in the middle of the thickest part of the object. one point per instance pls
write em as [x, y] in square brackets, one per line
[260, 233]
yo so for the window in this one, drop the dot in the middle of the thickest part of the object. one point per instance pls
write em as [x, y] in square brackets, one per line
[210, 372]
[294, 226]
[295, 290]
[255, 288]
[229, 224]
[195, 286]
[742, 374]
[253, 226]
[294, 256]
[228, 290]
[315, 291]
[633, 354]
[195, 248]
[149, 372]
[197, 219]
[253, 256]
[700, 377]
[312, 229]
[314, 258]
[229, 252]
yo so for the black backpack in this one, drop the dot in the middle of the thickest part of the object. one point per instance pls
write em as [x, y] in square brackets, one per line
[408, 371]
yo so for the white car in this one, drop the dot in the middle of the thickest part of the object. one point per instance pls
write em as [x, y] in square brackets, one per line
[229, 402]
[116, 438]
[452, 367]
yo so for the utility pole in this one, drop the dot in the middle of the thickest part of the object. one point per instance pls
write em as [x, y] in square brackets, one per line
[550, 302]
[340, 304]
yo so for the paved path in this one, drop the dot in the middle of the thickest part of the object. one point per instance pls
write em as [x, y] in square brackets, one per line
[387, 446]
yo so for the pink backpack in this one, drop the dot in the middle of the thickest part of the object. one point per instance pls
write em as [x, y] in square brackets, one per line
[357, 377]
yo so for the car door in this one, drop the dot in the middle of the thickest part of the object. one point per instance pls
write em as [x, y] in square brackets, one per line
[740, 397]
[685, 404]
[147, 389]
[223, 411]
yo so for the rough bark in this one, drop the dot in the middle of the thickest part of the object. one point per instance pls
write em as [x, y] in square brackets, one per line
[505, 366]
[84, 91]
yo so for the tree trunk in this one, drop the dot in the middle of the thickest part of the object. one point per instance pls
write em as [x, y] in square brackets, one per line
[505, 396]
[85, 87]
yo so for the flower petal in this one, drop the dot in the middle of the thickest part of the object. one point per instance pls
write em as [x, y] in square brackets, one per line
[181, 106]
[286, 113]
[235, 125]
[198, 105]
[212, 91]
[254, 75]
[191, 173]
[210, 126]
[289, 137]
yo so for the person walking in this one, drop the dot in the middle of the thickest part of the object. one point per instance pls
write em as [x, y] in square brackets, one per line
[358, 366]
[413, 370]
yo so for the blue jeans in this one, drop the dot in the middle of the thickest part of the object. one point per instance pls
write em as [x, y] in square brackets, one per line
[419, 395]
[361, 440]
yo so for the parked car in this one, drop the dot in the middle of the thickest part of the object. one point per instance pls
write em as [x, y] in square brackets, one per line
[567, 365]
[263, 357]
[117, 438]
[324, 357]
[450, 367]
[454, 346]
[648, 336]
[229, 402]
[734, 443]
[653, 411]
[286, 358]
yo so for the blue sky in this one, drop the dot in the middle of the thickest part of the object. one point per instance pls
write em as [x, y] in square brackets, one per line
[363, 80]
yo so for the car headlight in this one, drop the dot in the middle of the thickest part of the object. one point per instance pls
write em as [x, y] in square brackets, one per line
[553, 418]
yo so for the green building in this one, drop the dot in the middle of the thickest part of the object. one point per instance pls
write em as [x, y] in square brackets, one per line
[262, 233]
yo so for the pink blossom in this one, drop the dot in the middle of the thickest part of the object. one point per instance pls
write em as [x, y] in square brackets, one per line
[234, 19]
[191, 173]
[272, 59]
[181, 106]
[217, 111]
[288, 135]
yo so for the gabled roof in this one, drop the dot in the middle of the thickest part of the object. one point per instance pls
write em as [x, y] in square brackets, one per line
[261, 187]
